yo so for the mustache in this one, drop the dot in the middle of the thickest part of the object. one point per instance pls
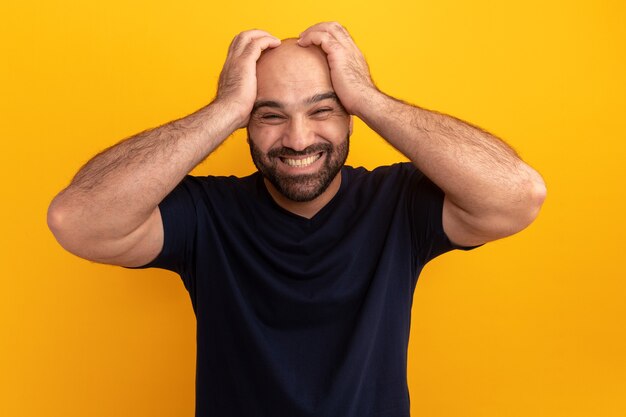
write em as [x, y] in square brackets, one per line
[309, 150]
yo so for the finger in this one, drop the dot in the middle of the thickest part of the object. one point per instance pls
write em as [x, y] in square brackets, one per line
[325, 40]
[243, 38]
[324, 27]
[258, 45]
[334, 28]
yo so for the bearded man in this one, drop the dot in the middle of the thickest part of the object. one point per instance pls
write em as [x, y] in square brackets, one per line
[302, 274]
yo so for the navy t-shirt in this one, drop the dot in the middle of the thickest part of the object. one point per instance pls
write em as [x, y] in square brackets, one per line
[303, 317]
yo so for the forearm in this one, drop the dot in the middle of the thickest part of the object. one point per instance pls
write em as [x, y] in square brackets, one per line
[119, 188]
[477, 171]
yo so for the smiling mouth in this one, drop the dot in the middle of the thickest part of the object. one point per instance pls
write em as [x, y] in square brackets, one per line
[301, 163]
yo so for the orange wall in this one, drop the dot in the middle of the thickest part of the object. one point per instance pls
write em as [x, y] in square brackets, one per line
[533, 325]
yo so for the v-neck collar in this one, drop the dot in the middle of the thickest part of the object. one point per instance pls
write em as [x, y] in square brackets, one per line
[321, 214]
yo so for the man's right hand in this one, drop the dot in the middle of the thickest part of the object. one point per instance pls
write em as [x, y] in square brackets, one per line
[110, 211]
[237, 85]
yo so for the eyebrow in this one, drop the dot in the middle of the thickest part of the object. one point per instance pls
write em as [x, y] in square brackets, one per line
[311, 100]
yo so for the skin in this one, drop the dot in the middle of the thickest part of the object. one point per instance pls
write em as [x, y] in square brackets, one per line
[490, 193]
[296, 112]
[109, 213]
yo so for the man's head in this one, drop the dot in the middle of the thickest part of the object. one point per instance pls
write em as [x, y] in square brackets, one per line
[298, 130]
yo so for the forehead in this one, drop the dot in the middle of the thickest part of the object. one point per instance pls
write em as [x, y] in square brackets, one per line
[290, 73]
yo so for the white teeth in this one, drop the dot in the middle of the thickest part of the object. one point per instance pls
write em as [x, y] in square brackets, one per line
[301, 162]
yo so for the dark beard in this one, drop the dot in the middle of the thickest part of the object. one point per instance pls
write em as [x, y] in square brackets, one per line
[306, 187]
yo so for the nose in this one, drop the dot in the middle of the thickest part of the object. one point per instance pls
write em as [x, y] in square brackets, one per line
[298, 134]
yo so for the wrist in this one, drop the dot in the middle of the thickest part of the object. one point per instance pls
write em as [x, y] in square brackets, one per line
[373, 104]
[231, 112]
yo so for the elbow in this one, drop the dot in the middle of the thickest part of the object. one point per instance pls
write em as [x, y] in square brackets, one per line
[517, 216]
[537, 195]
[56, 217]
[507, 216]
[60, 219]
[529, 205]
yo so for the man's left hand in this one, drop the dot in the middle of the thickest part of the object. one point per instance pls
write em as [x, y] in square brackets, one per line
[349, 71]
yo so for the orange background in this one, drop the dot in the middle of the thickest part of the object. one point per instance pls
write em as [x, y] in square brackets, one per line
[533, 325]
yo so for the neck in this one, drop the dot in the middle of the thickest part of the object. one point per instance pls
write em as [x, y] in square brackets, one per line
[306, 209]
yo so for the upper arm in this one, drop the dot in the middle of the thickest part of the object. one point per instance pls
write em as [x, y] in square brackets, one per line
[465, 229]
[460, 227]
[135, 248]
[139, 247]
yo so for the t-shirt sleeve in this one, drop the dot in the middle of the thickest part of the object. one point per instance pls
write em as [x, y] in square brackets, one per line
[425, 207]
[179, 217]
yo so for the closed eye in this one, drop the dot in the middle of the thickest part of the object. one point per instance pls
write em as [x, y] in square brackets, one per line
[322, 111]
[270, 118]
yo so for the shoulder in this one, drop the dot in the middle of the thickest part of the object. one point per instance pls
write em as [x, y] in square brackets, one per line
[394, 175]
[208, 196]
[386, 186]
[199, 186]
